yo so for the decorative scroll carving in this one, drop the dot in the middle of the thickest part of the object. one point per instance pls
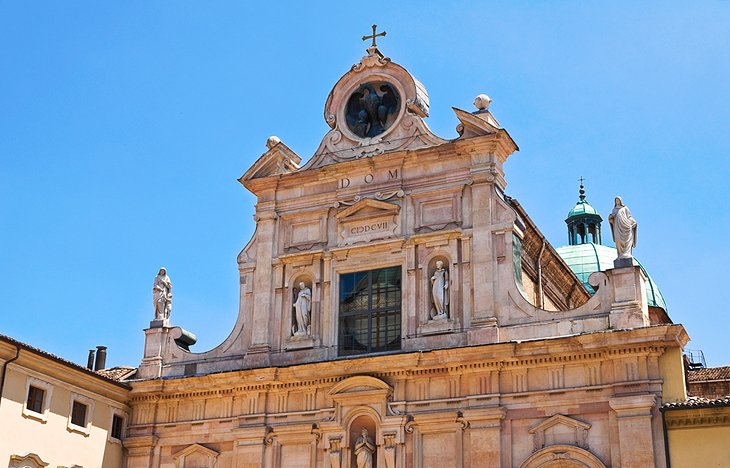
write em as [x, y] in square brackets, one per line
[269, 437]
[460, 419]
[409, 425]
[378, 196]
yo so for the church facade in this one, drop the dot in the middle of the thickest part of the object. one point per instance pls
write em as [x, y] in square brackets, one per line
[398, 309]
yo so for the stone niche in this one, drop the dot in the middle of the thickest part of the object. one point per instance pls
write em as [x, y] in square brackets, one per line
[292, 338]
[430, 322]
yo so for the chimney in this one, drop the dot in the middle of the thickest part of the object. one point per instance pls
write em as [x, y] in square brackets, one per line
[90, 362]
[100, 358]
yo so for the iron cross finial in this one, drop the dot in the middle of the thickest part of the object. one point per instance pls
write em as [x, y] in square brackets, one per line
[373, 36]
[581, 180]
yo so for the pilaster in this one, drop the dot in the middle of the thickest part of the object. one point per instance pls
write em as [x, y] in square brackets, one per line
[634, 420]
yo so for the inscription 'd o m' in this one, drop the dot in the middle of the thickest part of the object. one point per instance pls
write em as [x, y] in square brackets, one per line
[368, 178]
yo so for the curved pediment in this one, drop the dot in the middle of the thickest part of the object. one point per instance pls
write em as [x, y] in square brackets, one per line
[376, 107]
[359, 384]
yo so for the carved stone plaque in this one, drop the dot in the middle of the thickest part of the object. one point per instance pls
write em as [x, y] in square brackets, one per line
[368, 220]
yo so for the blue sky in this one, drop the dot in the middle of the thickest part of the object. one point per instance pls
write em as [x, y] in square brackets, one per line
[124, 125]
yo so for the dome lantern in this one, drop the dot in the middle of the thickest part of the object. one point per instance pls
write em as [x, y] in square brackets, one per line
[584, 222]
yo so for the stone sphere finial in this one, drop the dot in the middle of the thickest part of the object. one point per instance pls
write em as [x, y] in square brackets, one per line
[482, 102]
[272, 141]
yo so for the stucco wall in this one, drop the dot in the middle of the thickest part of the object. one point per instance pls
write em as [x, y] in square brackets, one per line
[51, 440]
[705, 447]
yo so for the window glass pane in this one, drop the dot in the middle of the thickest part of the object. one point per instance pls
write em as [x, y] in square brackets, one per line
[35, 399]
[370, 311]
[117, 426]
[78, 414]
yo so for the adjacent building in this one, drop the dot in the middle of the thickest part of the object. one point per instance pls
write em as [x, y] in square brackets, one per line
[58, 414]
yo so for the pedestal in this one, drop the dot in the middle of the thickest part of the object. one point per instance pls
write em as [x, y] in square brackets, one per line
[437, 326]
[629, 308]
[299, 342]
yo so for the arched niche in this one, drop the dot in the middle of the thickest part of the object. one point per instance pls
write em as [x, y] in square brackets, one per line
[562, 456]
[431, 268]
[358, 424]
[290, 320]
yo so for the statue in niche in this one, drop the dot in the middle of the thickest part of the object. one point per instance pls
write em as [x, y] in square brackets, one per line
[440, 292]
[364, 450]
[370, 108]
[302, 311]
[623, 228]
[162, 295]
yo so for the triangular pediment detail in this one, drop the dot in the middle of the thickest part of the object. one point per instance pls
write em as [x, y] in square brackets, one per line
[280, 159]
[560, 430]
[196, 449]
[560, 419]
[368, 207]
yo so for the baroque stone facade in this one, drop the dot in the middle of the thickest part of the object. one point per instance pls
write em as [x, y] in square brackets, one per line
[392, 286]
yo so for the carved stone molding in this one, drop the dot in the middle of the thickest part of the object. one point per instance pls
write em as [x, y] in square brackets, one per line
[568, 455]
[407, 131]
[560, 430]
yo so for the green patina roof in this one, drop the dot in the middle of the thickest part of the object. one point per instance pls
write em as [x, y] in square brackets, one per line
[582, 208]
[585, 259]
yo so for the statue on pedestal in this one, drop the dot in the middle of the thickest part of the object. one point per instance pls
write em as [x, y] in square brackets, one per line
[440, 291]
[303, 309]
[623, 229]
[364, 450]
[162, 295]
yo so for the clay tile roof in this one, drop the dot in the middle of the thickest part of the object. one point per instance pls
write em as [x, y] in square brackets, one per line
[710, 373]
[60, 360]
[118, 373]
[698, 402]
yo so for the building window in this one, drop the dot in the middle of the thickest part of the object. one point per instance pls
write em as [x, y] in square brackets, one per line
[370, 311]
[78, 413]
[117, 427]
[35, 399]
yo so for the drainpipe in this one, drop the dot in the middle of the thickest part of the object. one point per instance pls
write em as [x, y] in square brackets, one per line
[666, 440]
[5, 370]
[540, 296]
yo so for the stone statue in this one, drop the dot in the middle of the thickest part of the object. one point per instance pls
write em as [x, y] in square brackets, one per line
[623, 229]
[364, 450]
[162, 295]
[303, 309]
[440, 291]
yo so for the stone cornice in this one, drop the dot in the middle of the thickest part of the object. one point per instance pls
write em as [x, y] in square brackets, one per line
[592, 347]
[680, 418]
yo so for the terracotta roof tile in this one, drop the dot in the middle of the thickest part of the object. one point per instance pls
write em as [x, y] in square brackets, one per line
[709, 373]
[698, 402]
[118, 373]
[58, 359]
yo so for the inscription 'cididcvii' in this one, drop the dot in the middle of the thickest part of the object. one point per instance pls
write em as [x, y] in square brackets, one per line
[369, 228]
